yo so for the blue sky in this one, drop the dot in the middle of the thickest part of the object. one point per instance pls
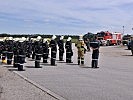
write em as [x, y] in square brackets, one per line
[65, 16]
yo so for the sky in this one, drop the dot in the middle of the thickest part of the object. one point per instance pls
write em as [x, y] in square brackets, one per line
[68, 17]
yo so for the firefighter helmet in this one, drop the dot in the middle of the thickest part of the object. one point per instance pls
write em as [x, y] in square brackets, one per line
[10, 38]
[80, 37]
[44, 40]
[62, 37]
[38, 38]
[22, 39]
[1, 40]
[53, 37]
[69, 39]
[16, 39]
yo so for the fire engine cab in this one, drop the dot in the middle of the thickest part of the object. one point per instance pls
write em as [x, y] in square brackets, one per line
[107, 38]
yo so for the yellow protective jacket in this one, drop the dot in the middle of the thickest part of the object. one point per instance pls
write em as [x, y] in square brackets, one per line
[80, 47]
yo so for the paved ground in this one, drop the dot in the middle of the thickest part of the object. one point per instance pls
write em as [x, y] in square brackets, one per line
[112, 81]
[12, 87]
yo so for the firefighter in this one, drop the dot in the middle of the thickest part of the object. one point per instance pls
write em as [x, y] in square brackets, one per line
[95, 53]
[28, 47]
[45, 50]
[21, 54]
[9, 50]
[69, 52]
[61, 48]
[4, 50]
[132, 45]
[33, 48]
[87, 42]
[53, 46]
[15, 51]
[38, 51]
[81, 50]
[1, 46]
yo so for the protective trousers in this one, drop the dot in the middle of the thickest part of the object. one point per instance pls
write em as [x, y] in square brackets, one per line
[132, 51]
[81, 60]
[15, 63]
[45, 57]
[53, 57]
[4, 53]
[81, 56]
[33, 55]
[95, 56]
[131, 47]
[68, 57]
[37, 60]
[21, 61]
[61, 55]
[28, 54]
[9, 57]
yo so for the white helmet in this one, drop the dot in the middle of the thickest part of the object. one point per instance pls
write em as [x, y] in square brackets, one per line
[80, 37]
[23, 39]
[44, 40]
[16, 39]
[62, 37]
[27, 39]
[5, 38]
[38, 38]
[1, 40]
[10, 38]
[69, 39]
[53, 37]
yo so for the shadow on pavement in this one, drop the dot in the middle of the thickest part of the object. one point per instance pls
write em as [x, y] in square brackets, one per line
[71, 64]
[13, 69]
[85, 67]
[9, 66]
[30, 66]
[48, 65]
[127, 55]
[45, 64]
[61, 62]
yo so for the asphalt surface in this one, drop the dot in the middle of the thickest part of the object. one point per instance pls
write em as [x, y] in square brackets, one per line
[13, 87]
[113, 80]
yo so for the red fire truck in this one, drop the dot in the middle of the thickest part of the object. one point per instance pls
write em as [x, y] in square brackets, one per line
[107, 38]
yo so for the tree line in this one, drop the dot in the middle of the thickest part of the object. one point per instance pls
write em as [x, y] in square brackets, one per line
[35, 35]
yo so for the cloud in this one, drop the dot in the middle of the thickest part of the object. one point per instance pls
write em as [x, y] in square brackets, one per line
[65, 16]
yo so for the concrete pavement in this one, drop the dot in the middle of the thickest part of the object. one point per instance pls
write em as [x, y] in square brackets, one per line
[112, 81]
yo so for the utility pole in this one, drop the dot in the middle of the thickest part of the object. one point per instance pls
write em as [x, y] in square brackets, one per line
[123, 29]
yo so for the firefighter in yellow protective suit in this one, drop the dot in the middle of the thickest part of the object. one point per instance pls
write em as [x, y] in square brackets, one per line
[81, 50]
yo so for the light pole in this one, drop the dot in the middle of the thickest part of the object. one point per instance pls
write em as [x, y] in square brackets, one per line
[123, 29]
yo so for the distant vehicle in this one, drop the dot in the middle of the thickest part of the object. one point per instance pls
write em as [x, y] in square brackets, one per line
[125, 39]
[129, 45]
[107, 38]
[89, 36]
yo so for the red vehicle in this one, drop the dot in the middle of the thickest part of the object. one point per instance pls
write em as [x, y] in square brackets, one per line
[108, 38]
